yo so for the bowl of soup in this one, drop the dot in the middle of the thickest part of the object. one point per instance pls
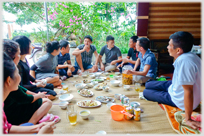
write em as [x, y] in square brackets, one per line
[84, 114]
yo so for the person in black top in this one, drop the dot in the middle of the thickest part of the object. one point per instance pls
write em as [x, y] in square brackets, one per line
[27, 80]
[132, 53]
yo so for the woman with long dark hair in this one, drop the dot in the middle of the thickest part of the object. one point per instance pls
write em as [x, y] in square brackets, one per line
[27, 80]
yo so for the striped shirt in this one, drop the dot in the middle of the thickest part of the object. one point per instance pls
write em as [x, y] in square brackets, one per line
[87, 56]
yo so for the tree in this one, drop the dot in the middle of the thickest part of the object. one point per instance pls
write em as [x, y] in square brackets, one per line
[97, 19]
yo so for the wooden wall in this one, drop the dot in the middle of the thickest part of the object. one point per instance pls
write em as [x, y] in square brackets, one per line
[167, 18]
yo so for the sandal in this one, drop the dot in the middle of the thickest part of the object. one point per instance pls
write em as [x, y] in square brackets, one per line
[48, 117]
[56, 119]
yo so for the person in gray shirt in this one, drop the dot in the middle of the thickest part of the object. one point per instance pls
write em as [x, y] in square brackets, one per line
[84, 55]
[46, 66]
[113, 54]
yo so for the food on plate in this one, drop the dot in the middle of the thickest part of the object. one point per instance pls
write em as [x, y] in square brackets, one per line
[104, 98]
[85, 92]
[90, 103]
[86, 81]
[100, 86]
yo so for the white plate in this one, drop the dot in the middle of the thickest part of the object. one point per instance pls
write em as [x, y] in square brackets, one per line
[98, 104]
[102, 99]
[98, 80]
[100, 88]
[91, 93]
[66, 97]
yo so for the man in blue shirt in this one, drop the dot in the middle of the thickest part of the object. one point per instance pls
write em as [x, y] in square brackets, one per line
[146, 60]
[184, 91]
[132, 53]
[64, 63]
[84, 55]
[113, 54]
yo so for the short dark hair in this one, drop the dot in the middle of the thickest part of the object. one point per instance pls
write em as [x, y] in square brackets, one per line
[51, 46]
[9, 67]
[89, 37]
[109, 37]
[183, 40]
[24, 43]
[63, 43]
[134, 38]
[144, 42]
[10, 47]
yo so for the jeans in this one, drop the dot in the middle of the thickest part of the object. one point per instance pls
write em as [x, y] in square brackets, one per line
[157, 91]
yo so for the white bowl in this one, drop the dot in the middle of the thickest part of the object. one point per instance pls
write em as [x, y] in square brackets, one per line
[98, 73]
[66, 97]
[109, 104]
[117, 96]
[75, 76]
[80, 86]
[106, 88]
[92, 76]
[63, 104]
[126, 87]
[86, 115]
[84, 75]
[94, 82]
[90, 85]
[106, 73]
[117, 73]
[115, 82]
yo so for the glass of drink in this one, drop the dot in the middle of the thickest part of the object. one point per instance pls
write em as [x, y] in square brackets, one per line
[137, 87]
[108, 78]
[65, 87]
[72, 114]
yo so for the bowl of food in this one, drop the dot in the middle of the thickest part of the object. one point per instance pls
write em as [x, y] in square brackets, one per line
[75, 76]
[84, 114]
[90, 85]
[63, 104]
[94, 82]
[92, 76]
[115, 83]
[109, 104]
[117, 73]
[126, 87]
[84, 75]
[106, 73]
[66, 97]
[98, 74]
[80, 86]
[117, 77]
[106, 88]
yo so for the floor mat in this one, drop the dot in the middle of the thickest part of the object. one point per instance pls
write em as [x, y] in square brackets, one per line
[176, 119]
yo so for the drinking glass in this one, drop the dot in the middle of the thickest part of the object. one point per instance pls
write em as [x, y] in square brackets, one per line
[65, 87]
[137, 87]
[72, 114]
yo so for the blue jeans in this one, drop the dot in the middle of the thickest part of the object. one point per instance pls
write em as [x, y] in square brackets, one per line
[63, 72]
[85, 65]
[157, 91]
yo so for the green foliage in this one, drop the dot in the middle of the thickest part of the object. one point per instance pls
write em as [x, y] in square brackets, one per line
[98, 19]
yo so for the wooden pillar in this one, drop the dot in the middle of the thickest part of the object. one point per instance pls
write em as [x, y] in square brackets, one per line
[142, 19]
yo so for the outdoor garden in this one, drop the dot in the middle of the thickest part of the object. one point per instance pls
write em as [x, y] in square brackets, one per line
[74, 20]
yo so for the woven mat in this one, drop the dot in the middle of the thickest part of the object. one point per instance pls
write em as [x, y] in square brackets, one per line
[153, 120]
[176, 119]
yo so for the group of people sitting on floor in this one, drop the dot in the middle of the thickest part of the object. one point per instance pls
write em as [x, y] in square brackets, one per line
[28, 91]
